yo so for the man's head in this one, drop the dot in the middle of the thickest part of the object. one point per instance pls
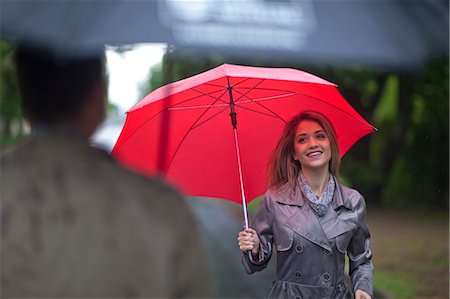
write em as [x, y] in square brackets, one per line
[59, 90]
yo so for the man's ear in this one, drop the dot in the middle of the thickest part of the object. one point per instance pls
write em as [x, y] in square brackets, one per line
[94, 111]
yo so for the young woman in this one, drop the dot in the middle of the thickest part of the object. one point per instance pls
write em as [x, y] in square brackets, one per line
[312, 219]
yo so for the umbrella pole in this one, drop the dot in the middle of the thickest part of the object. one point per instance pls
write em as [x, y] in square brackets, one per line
[241, 181]
[238, 155]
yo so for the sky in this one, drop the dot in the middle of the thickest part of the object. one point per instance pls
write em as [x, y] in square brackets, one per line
[127, 70]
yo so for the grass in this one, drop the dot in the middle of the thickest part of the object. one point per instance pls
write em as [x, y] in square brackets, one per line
[410, 253]
[395, 284]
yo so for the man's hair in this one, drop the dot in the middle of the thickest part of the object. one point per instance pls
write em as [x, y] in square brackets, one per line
[52, 87]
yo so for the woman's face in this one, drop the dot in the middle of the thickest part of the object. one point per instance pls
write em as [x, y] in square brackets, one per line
[311, 145]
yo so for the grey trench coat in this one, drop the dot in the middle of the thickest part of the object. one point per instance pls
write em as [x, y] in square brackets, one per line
[311, 249]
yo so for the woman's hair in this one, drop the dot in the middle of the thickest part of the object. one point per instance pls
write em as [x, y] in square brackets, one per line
[282, 167]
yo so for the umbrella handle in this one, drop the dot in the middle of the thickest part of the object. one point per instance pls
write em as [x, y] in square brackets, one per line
[264, 261]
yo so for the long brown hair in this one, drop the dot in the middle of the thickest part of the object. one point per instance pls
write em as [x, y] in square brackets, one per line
[282, 167]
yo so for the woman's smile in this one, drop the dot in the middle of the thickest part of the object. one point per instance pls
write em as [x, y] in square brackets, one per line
[314, 154]
[311, 145]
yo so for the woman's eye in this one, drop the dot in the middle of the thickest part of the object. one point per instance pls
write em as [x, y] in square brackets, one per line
[321, 136]
[302, 140]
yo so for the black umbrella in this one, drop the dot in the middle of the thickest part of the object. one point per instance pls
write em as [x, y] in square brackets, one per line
[391, 33]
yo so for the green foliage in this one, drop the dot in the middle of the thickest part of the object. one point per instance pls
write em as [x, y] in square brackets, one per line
[419, 174]
[397, 285]
[154, 81]
[387, 108]
[253, 206]
[11, 120]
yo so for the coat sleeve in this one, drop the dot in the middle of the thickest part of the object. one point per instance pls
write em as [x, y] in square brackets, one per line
[262, 224]
[359, 253]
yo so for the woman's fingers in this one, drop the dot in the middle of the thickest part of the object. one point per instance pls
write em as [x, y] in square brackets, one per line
[250, 231]
[246, 240]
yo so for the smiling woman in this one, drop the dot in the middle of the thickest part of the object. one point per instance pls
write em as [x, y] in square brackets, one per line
[311, 217]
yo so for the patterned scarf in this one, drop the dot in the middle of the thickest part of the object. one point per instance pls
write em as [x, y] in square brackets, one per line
[318, 203]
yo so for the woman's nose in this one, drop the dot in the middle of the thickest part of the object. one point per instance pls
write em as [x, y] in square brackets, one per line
[312, 142]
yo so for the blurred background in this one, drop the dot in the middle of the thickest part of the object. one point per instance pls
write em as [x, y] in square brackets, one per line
[389, 58]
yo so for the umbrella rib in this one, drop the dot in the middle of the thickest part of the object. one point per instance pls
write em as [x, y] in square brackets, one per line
[216, 85]
[271, 114]
[335, 107]
[198, 107]
[256, 101]
[197, 96]
[219, 98]
[237, 103]
[296, 93]
[201, 123]
[173, 107]
[320, 100]
[255, 87]
[250, 100]
[208, 95]
[194, 125]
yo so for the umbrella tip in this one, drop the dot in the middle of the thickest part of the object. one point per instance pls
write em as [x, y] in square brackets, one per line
[375, 129]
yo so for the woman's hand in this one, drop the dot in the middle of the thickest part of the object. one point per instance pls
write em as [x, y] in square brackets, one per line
[248, 240]
[362, 295]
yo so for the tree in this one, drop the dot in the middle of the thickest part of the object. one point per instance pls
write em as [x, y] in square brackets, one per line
[11, 120]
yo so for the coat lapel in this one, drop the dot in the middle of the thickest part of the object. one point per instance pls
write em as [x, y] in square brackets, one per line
[307, 224]
[332, 224]
[303, 220]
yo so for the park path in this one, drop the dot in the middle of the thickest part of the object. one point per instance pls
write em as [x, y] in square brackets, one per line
[411, 248]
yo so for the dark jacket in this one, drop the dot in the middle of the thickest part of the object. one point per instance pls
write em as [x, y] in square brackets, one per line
[77, 225]
[311, 249]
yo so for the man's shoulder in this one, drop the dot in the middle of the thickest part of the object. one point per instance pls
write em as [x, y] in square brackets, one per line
[80, 166]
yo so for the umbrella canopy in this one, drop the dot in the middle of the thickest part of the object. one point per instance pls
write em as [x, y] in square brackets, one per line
[184, 129]
[388, 33]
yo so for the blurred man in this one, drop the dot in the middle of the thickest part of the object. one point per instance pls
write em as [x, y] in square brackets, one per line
[76, 224]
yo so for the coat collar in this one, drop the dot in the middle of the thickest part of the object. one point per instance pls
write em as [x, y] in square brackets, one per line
[285, 194]
[340, 198]
[318, 231]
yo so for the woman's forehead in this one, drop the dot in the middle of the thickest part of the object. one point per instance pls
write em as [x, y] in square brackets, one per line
[308, 126]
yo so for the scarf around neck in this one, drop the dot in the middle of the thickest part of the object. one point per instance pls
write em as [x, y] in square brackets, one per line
[318, 203]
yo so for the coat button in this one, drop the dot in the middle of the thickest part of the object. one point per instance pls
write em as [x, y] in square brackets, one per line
[327, 252]
[298, 274]
[299, 248]
[298, 297]
[326, 276]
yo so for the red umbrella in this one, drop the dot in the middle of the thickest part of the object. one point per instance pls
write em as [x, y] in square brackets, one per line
[187, 130]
